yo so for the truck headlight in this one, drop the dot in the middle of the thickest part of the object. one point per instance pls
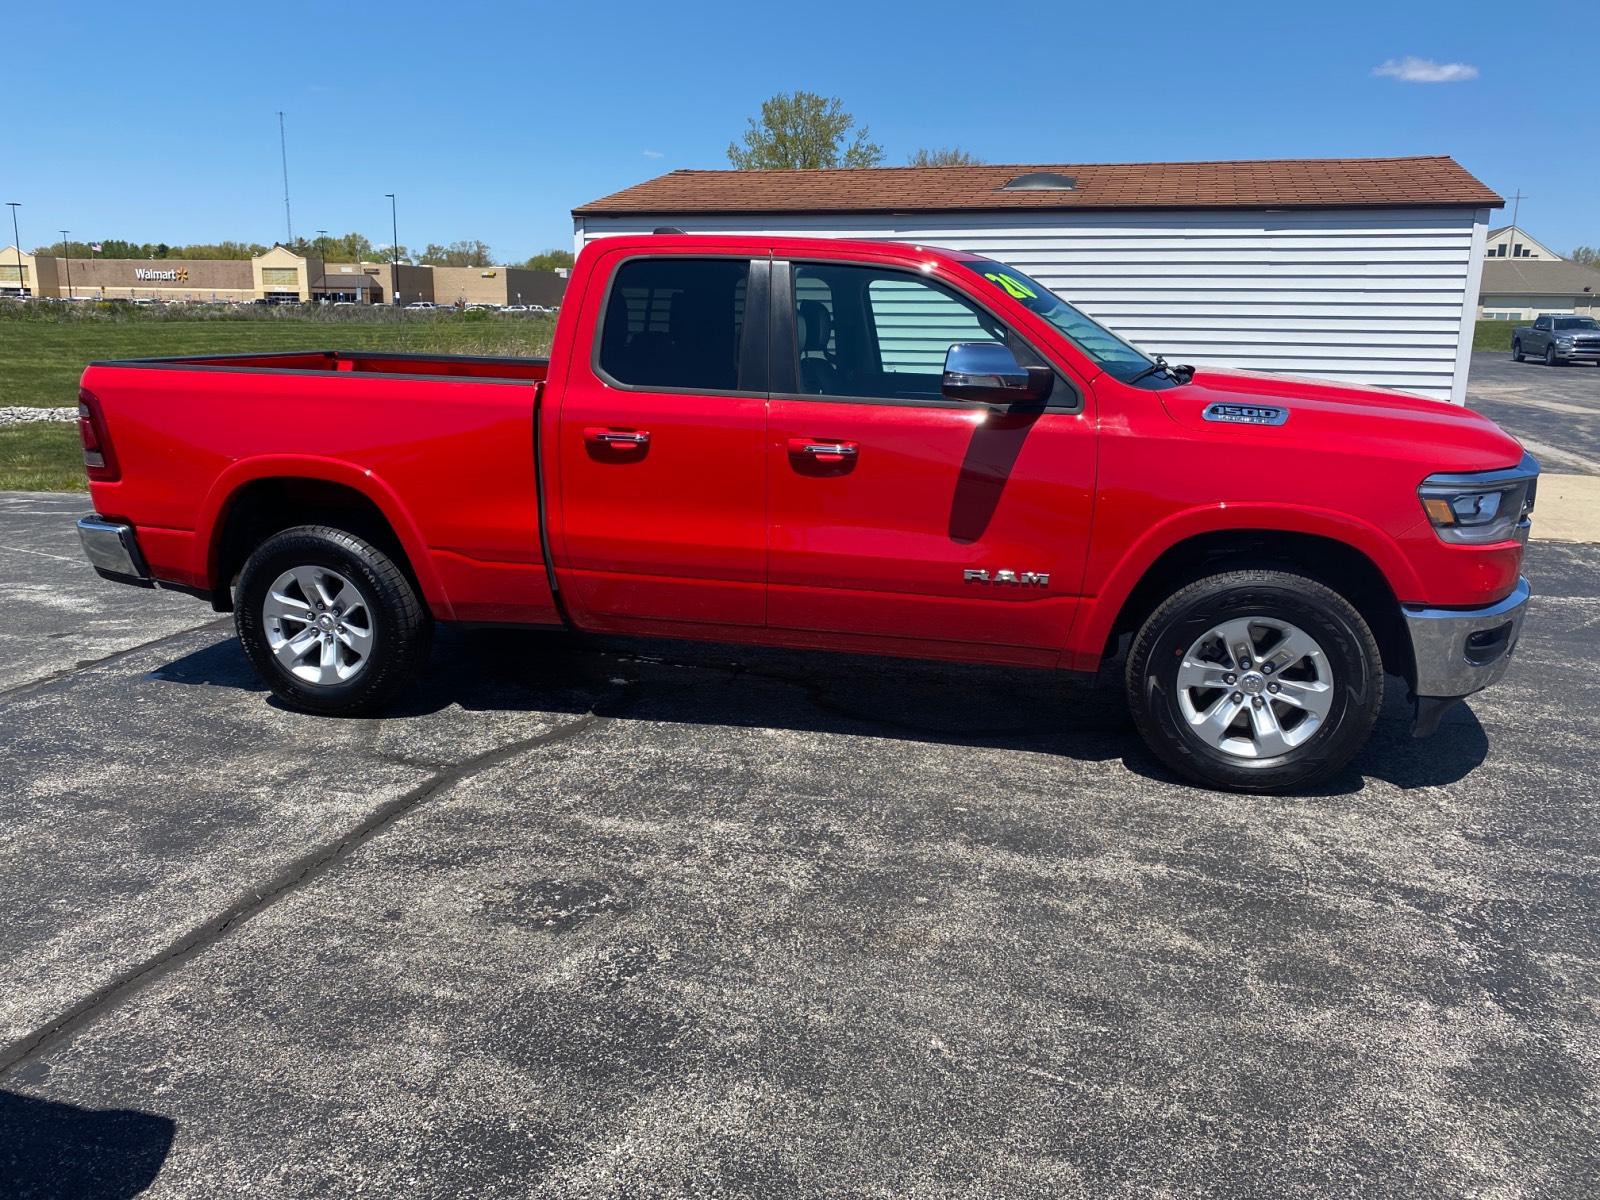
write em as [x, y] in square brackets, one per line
[1481, 506]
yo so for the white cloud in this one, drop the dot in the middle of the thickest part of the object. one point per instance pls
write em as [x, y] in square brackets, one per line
[653, 154]
[1412, 69]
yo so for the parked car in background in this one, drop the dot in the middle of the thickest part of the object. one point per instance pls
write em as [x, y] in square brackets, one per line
[421, 306]
[515, 309]
[1558, 339]
[916, 452]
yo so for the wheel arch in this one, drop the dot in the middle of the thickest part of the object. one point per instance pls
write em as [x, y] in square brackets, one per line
[1369, 581]
[259, 497]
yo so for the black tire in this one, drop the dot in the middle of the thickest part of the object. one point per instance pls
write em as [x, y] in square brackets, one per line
[1332, 621]
[1549, 356]
[1516, 351]
[402, 627]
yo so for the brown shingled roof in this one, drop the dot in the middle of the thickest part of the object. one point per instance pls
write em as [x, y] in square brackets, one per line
[1528, 276]
[1268, 183]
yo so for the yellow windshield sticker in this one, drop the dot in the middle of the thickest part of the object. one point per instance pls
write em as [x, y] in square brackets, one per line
[1017, 290]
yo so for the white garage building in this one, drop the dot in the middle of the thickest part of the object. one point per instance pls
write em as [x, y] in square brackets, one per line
[1358, 270]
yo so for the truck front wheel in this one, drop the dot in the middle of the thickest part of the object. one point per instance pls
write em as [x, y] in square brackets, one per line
[329, 621]
[1259, 681]
[1516, 351]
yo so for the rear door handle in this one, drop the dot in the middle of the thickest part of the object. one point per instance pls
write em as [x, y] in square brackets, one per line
[616, 439]
[823, 451]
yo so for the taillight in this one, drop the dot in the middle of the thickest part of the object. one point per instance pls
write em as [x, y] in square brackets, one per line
[97, 457]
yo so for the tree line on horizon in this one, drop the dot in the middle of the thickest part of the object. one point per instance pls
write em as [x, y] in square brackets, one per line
[350, 247]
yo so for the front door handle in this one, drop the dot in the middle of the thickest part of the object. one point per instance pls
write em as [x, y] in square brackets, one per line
[617, 439]
[824, 451]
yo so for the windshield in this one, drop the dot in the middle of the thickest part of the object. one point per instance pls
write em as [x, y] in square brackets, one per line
[1576, 323]
[1098, 342]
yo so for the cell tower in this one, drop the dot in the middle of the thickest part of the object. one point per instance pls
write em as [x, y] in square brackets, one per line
[283, 152]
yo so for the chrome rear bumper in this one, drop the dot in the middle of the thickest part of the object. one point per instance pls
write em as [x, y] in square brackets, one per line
[113, 550]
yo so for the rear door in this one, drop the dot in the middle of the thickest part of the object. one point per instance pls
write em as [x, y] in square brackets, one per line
[897, 513]
[661, 476]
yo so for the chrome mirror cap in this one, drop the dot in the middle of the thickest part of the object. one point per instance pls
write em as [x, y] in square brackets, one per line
[989, 373]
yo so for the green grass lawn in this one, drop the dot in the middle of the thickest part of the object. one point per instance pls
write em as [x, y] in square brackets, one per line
[1493, 335]
[42, 456]
[43, 353]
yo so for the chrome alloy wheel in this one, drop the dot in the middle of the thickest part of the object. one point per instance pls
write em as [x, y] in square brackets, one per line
[1255, 687]
[318, 625]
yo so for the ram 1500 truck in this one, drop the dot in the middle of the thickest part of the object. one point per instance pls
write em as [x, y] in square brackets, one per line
[842, 446]
[1558, 339]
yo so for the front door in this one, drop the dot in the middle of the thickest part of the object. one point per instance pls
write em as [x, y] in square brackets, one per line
[660, 486]
[899, 514]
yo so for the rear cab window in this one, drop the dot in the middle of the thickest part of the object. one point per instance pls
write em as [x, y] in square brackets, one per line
[674, 324]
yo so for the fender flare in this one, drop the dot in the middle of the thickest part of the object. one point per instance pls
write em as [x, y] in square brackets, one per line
[219, 502]
[1101, 612]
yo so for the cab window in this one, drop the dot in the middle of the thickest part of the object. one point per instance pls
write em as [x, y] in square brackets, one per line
[674, 324]
[865, 332]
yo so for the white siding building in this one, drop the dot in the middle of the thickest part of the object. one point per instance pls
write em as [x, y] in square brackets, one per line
[1358, 270]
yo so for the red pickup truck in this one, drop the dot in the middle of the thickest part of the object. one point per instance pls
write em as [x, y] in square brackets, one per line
[834, 445]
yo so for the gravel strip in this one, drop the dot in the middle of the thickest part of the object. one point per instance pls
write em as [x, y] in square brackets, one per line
[21, 416]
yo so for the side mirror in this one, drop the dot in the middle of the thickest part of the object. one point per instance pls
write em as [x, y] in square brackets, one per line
[988, 373]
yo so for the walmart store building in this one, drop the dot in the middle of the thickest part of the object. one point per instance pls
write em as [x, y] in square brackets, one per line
[279, 275]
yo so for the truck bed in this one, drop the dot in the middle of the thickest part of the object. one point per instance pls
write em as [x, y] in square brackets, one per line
[442, 445]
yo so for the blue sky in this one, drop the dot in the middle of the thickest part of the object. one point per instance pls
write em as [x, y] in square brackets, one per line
[156, 121]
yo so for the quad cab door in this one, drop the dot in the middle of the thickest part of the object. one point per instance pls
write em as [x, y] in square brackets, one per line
[658, 502]
[924, 523]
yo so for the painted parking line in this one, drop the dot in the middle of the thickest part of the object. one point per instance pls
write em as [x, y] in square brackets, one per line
[1547, 453]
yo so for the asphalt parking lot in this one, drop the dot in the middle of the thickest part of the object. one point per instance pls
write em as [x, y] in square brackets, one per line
[614, 919]
[1555, 411]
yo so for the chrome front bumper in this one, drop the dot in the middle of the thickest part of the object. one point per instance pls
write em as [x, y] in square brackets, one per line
[1460, 651]
[113, 550]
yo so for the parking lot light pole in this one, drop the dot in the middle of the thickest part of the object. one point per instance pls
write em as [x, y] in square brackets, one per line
[322, 252]
[394, 250]
[17, 238]
[66, 257]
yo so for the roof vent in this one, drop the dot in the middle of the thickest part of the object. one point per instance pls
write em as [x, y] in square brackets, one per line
[1040, 181]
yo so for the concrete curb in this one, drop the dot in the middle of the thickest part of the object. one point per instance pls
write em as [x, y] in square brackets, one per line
[1567, 509]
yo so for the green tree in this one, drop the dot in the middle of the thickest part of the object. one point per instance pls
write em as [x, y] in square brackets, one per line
[351, 247]
[469, 253]
[943, 156]
[225, 250]
[550, 260]
[804, 130]
[1586, 255]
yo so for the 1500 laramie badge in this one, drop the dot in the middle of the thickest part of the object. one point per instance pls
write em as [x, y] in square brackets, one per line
[1272, 554]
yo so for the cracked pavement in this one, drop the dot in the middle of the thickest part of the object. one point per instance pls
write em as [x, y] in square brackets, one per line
[592, 918]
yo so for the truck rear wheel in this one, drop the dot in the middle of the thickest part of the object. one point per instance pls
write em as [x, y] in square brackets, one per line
[329, 621]
[1258, 681]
